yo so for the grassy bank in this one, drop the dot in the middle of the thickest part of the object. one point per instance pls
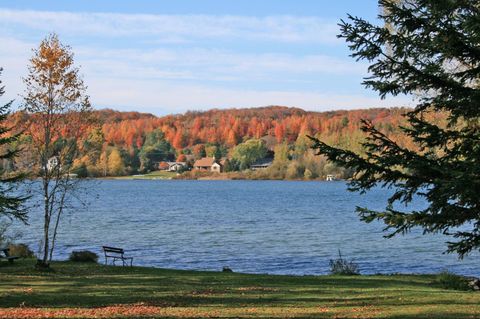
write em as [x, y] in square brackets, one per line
[151, 175]
[202, 175]
[90, 290]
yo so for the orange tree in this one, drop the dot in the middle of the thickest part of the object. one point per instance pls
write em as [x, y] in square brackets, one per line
[58, 109]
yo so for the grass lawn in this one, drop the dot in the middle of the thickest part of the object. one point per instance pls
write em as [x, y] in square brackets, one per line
[151, 175]
[78, 290]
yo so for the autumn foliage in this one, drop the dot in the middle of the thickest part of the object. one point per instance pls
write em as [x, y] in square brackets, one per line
[230, 127]
[116, 143]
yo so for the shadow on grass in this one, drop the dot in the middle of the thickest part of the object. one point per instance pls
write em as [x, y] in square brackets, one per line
[83, 285]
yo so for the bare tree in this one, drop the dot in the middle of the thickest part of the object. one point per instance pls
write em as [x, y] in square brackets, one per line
[58, 108]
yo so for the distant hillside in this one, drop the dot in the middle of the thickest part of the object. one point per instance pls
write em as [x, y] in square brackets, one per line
[122, 143]
[109, 115]
[229, 127]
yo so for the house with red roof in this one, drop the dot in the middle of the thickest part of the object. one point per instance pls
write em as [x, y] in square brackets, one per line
[209, 164]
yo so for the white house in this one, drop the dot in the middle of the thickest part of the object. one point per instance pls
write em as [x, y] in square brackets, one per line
[175, 166]
[216, 167]
[330, 178]
[53, 163]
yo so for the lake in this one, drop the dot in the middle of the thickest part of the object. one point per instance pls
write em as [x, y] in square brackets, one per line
[276, 227]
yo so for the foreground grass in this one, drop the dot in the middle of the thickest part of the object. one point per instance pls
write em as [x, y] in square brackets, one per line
[76, 290]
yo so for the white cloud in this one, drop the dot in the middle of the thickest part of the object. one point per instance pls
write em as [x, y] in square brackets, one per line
[211, 64]
[198, 64]
[164, 79]
[14, 55]
[177, 28]
[163, 98]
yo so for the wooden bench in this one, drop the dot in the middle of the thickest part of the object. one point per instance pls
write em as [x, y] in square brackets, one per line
[6, 255]
[116, 254]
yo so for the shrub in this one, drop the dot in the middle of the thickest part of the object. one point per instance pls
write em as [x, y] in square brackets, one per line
[20, 250]
[227, 269]
[81, 170]
[341, 266]
[83, 256]
[448, 280]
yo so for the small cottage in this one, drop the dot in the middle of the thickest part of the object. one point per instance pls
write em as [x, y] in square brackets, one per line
[208, 164]
[176, 166]
[171, 166]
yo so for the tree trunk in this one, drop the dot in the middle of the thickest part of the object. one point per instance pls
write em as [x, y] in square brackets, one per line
[46, 227]
[57, 222]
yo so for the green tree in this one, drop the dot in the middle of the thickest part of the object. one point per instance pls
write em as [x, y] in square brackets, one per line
[302, 145]
[231, 165]
[213, 151]
[155, 149]
[132, 159]
[429, 48]
[249, 152]
[11, 205]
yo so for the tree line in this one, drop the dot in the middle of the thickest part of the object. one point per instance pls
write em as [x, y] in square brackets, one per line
[123, 143]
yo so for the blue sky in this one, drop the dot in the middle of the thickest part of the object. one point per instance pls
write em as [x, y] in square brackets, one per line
[171, 56]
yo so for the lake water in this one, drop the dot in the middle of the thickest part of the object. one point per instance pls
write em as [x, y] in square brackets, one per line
[275, 227]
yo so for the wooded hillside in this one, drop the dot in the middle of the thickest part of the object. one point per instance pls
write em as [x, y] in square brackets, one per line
[120, 143]
[232, 126]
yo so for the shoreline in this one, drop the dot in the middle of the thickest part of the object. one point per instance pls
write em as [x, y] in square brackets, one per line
[210, 179]
[207, 178]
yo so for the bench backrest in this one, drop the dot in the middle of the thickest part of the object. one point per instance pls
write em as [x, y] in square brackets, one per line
[112, 250]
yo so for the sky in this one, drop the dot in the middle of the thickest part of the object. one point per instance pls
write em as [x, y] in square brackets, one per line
[164, 57]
